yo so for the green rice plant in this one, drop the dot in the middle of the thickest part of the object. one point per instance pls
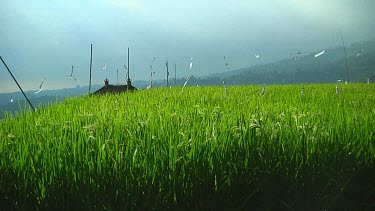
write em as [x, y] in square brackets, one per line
[161, 149]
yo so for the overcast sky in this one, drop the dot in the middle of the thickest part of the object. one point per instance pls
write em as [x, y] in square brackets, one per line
[45, 38]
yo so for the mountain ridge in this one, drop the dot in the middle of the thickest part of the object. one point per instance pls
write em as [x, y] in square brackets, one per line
[327, 68]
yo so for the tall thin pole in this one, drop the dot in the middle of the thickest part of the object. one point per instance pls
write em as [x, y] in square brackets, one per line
[17, 84]
[175, 74]
[128, 66]
[346, 60]
[90, 69]
[128, 83]
[167, 72]
[117, 77]
[151, 81]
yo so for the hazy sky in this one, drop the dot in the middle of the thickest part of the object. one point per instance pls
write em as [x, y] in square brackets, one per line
[45, 38]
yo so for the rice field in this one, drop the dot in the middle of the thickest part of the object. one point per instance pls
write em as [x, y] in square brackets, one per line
[206, 148]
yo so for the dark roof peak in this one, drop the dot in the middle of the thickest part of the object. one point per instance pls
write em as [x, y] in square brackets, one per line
[107, 88]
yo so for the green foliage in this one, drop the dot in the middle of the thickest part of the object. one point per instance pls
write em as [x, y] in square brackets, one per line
[199, 150]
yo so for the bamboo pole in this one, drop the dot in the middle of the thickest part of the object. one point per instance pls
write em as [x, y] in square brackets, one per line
[167, 72]
[346, 60]
[27, 99]
[90, 69]
[128, 65]
[128, 82]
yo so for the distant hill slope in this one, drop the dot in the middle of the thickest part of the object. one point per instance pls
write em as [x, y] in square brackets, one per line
[16, 106]
[46, 97]
[43, 98]
[328, 67]
[76, 91]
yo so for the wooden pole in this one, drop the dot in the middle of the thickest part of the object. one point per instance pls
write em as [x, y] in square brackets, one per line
[117, 77]
[128, 83]
[90, 70]
[128, 66]
[167, 72]
[346, 60]
[27, 99]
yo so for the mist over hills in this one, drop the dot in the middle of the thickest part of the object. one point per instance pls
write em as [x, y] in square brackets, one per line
[67, 92]
[327, 68]
[43, 98]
